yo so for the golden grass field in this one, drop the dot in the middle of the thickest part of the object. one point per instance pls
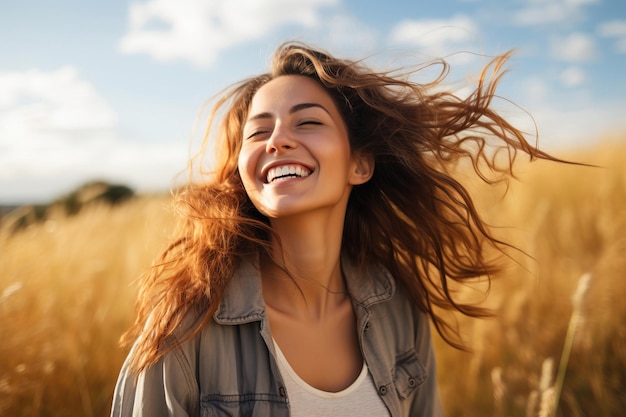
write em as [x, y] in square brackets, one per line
[67, 294]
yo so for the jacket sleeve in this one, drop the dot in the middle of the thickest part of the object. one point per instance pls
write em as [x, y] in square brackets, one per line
[427, 399]
[166, 389]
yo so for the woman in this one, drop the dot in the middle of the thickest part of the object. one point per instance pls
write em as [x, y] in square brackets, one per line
[310, 262]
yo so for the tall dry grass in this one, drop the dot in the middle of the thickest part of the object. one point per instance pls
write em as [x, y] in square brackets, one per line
[572, 221]
[66, 295]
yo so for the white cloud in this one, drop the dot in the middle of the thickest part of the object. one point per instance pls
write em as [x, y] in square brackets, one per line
[563, 124]
[347, 36]
[615, 29]
[573, 77]
[457, 40]
[576, 47]
[536, 90]
[436, 37]
[39, 175]
[566, 128]
[198, 30]
[544, 12]
[46, 120]
[51, 101]
[56, 132]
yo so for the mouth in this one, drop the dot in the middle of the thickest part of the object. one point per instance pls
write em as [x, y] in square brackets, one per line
[284, 172]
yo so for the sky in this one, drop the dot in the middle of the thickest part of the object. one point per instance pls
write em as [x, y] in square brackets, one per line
[115, 90]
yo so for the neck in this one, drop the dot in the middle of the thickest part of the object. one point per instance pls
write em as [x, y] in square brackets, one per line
[304, 277]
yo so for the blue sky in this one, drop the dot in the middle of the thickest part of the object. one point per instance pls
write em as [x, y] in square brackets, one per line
[111, 90]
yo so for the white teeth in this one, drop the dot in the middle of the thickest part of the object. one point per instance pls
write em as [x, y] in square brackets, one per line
[285, 171]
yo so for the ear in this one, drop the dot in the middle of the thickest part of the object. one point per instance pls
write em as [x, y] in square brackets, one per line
[362, 168]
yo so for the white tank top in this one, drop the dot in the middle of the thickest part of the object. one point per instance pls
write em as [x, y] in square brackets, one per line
[359, 399]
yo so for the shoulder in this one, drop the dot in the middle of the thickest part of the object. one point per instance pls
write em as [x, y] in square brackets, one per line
[169, 384]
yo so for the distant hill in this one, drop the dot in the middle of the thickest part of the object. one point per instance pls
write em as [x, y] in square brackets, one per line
[93, 192]
[4, 210]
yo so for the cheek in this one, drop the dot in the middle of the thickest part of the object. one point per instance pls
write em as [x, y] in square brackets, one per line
[246, 163]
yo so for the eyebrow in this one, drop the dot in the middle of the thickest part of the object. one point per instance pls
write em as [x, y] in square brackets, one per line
[294, 109]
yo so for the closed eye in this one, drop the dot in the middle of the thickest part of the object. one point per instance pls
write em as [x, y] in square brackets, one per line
[309, 122]
[257, 133]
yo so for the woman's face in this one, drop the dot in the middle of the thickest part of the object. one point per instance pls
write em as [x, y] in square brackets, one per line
[295, 156]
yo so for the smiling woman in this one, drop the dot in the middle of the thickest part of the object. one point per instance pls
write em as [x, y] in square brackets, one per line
[294, 125]
[310, 263]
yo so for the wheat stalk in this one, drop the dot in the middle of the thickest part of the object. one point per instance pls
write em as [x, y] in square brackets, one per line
[499, 389]
[577, 302]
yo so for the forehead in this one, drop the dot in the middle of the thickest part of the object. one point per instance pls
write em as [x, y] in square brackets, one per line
[283, 92]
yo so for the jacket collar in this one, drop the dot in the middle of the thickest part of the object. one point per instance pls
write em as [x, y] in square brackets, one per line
[243, 302]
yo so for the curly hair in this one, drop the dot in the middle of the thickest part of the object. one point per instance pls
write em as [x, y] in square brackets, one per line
[412, 217]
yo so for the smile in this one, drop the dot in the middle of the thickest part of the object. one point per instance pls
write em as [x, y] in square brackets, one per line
[287, 171]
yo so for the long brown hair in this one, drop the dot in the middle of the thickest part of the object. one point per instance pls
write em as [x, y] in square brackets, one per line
[412, 217]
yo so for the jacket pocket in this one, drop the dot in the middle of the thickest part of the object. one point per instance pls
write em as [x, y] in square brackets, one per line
[409, 373]
[217, 405]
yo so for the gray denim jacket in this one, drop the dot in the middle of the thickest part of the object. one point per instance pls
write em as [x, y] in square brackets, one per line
[229, 368]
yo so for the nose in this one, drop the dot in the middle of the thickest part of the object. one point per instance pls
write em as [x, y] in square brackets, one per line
[280, 140]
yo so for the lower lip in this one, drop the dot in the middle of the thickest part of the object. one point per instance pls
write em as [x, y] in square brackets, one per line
[287, 180]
